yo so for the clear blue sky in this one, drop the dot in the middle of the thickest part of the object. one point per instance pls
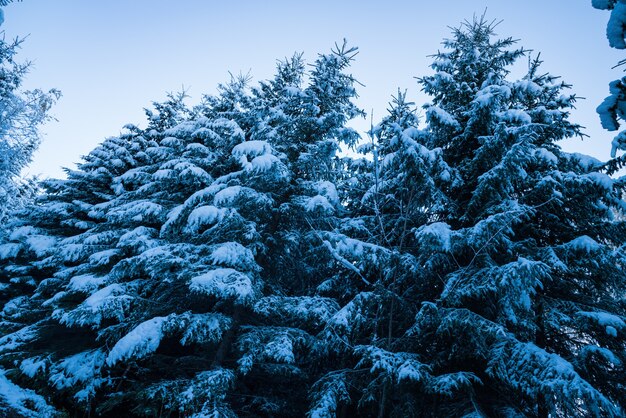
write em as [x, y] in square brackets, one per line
[112, 58]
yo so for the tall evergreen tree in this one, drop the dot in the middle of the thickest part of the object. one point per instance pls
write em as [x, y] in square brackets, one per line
[513, 261]
[306, 123]
[530, 307]
[149, 287]
[21, 115]
[120, 289]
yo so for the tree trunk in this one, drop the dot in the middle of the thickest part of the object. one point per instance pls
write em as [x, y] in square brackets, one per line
[224, 347]
[383, 401]
[540, 341]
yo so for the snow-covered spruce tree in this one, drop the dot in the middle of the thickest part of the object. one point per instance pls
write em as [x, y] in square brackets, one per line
[406, 190]
[305, 122]
[121, 288]
[514, 253]
[530, 319]
[147, 291]
[54, 240]
[300, 117]
[376, 275]
[21, 115]
[48, 239]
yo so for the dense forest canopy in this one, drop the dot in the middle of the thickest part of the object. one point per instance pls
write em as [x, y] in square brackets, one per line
[228, 260]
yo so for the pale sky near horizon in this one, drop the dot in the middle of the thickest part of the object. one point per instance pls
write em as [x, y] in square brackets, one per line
[112, 58]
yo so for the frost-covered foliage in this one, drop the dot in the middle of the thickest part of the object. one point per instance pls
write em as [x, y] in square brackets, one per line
[528, 243]
[21, 115]
[616, 27]
[479, 272]
[612, 110]
[225, 261]
[22, 403]
[145, 283]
